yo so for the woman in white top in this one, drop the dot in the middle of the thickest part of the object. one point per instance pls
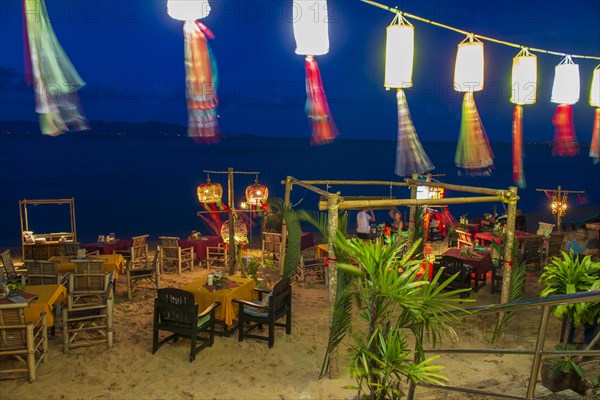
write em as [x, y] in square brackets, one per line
[363, 223]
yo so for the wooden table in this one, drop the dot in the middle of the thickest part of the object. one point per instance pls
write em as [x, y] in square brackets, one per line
[486, 238]
[107, 248]
[200, 245]
[481, 263]
[228, 310]
[114, 262]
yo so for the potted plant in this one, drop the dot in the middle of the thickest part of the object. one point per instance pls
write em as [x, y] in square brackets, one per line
[566, 372]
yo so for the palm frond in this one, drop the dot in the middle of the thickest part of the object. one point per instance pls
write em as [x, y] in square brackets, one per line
[294, 236]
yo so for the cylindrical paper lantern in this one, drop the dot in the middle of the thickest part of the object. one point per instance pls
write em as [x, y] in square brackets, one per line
[468, 71]
[524, 78]
[311, 29]
[399, 54]
[188, 10]
[565, 89]
[595, 89]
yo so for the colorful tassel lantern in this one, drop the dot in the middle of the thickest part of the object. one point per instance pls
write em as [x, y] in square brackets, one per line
[524, 91]
[53, 76]
[311, 32]
[473, 153]
[595, 102]
[565, 91]
[200, 68]
[399, 53]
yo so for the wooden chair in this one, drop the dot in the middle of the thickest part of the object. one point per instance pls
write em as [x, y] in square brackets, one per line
[10, 272]
[25, 341]
[452, 266]
[271, 246]
[42, 272]
[555, 244]
[176, 311]
[174, 257]
[69, 249]
[216, 255]
[533, 251]
[311, 269]
[137, 254]
[88, 323]
[266, 310]
[87, 284]
[138, 272]
[464, 239]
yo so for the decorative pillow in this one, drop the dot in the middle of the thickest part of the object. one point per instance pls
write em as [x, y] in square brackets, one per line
[258, 312]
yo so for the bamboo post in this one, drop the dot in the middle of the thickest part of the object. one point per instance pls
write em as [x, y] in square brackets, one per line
[30, 352]
[231, 258]
[286, 202]
[332, 226]
[508, 248]
[558, 214]
[44, 333]
[382, 203]
[109, 322]
[413, 210]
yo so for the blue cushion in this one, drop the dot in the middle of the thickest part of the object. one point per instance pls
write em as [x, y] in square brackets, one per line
[256, 312]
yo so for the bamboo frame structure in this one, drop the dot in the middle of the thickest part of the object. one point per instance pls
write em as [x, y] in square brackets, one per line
[24, 217]
[335, 202]
[561, 195]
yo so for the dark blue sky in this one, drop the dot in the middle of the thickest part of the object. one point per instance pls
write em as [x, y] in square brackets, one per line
[130, 53]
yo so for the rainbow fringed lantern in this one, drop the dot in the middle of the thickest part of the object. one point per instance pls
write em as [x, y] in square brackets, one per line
[410, 155]
[565, 92]
[595, 102]
[200, 68]
[473, 153]
[311, 32]
[53, 76]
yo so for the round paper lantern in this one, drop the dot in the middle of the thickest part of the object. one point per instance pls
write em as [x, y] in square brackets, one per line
[595, 89]
[209, 192]
[565, 89]
[188, 10]
[524, 78]
[468, 71]
[399, 54]
[311, 28]
[240, 231]
[257, 194]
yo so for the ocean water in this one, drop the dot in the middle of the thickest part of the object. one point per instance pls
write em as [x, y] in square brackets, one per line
[137, 185]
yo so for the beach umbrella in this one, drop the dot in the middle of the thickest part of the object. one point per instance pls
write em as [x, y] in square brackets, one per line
[54, 78]
[595, 102]
[311, 31]
[473, 153]
[399, 53]
[565, 92]
[524, 90]
[200, 69]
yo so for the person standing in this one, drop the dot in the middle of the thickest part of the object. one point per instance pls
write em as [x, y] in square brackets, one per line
[363, 224]
[579, 244]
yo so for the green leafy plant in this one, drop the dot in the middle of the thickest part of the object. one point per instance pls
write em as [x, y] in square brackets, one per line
[294, 235]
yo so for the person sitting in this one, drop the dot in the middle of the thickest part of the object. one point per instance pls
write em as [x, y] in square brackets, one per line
[593, 249]
[397, 223]
[579, 244]
[363, 224]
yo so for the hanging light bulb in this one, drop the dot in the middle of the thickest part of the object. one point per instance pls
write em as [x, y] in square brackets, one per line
[468, 70]
[524, 78]
[565, 89]
[399, 53]
[311, 28]
[188, 10]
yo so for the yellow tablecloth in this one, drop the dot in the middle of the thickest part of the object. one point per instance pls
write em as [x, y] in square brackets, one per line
[48, 295]
[323, 251]
[228, 310]
[114, 262]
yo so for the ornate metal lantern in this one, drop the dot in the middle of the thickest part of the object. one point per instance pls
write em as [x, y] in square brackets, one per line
[257, 194]
[239, 229]
[559, 205]
[209, 192]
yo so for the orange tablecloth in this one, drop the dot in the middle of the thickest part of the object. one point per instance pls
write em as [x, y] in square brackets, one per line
[114, 262]
[227, 311]
[48, 295]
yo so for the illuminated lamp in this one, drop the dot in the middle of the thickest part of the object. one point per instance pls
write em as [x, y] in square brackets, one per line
[468, 70]
[257, 194]
[565, 92]
[595, 102]
[188, 10]
[209, 192]
[240, 231]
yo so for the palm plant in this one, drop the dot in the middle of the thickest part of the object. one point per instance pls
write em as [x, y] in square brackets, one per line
[294, 235]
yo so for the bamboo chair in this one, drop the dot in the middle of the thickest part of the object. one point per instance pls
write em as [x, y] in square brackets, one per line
[176, 311]
[10, 271]
[266, 311]
[137, 254]
[87, 284]
[90, 323]
[25, 341]
[69, 249]
[311, 269]
[42, 272]
[174, 257]
[136, 273]
[271, 246]
[216, 255]
[464, 239]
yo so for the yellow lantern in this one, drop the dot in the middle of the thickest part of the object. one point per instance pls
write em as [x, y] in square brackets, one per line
[565, 89]
[257, 194]
[188, 10]
[595, 89]
[468, 70]
[524, 78]
[209, 192]
[311, 28]
[240, 231]
[399, 53]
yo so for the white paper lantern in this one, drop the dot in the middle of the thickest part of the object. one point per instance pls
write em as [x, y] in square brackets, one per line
[311, 28]
[565, 89]
[468, 71]
[595, 89]
[524, 78]
[399, 54]
[188, 10]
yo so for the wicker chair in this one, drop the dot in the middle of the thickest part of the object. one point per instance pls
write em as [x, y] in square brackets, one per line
[267, 311]
[176, 311]
[25, 341]
[88, 318]
[464, 239]
[174, 257]
[136, 273]
[42, 272]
